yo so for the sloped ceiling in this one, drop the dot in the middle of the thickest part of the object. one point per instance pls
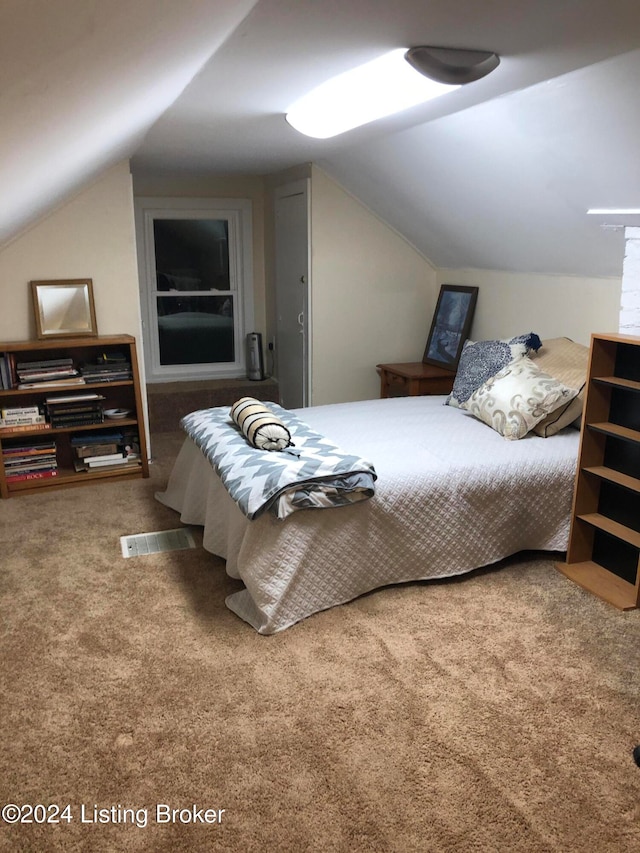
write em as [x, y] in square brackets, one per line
[81, 81]
[506, 184]
[496, 175]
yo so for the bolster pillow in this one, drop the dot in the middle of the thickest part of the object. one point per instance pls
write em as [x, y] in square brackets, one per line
[259, 425]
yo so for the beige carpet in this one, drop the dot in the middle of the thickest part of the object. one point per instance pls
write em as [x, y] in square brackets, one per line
[493, 713]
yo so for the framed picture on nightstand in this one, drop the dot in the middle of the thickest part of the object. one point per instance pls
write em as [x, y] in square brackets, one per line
[450, 325]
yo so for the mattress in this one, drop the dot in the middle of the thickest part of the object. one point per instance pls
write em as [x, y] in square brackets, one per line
[451, 496]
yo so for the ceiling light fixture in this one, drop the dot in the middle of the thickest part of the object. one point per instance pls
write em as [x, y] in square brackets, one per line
[389, 84]
[614, 211]
[452, 65]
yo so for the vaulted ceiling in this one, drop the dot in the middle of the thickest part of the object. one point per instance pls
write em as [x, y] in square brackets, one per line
[497, 175]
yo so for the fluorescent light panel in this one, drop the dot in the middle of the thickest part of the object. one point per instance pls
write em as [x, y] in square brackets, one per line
[614, 211]
[379, 88]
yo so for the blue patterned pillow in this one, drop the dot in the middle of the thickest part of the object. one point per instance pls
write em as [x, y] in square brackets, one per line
[530, 340]
[480, 360]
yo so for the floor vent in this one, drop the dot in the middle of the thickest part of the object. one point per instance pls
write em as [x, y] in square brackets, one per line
[153, 543]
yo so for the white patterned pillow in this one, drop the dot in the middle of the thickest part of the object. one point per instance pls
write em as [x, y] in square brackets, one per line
[259, 425]
[517, 398]
[479, 361]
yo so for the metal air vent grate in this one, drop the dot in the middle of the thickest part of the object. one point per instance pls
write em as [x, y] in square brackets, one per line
[153, 543]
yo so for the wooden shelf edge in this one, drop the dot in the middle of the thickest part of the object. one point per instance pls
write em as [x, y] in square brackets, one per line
[106, 424]
[618, 382]
[606, 585]
[615, 430]
[74, 479]
[66, 342]
[613, 476]
[614, 528]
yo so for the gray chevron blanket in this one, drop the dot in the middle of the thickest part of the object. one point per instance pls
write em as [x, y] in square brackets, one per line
[313, 474]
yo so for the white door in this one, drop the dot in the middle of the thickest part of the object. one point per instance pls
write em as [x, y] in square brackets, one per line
[292, 294]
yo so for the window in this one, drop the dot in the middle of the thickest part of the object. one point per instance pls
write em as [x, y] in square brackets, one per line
[195, 286]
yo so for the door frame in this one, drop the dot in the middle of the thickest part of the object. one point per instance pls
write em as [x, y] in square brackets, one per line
[298, 187]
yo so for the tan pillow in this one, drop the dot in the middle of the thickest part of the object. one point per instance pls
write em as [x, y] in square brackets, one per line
[567, 362]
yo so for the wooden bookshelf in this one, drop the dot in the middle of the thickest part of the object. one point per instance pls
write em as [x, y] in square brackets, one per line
[603, 555]
[118, 394]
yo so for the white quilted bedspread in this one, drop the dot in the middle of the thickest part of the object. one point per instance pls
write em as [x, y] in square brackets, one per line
[452, 495]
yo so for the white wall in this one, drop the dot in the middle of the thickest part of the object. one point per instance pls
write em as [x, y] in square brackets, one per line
[629, 322]
[551, 306]
[90, 236]
[372, 296]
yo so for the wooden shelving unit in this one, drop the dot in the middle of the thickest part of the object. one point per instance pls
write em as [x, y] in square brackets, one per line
[604, 542]
[121, 394]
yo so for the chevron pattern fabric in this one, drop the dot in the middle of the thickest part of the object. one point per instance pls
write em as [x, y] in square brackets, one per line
[314, 474]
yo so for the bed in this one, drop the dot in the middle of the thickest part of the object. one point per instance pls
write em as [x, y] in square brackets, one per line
[451, 495]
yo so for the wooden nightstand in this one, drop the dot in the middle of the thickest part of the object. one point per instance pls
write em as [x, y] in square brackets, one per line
[414, 379]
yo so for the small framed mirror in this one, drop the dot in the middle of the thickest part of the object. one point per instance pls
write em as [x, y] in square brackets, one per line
[64, 308]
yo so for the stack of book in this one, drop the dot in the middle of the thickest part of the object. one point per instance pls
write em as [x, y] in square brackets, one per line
[22, 419]
[75, 410]
[43, 374]
[35, 460]
[8, 376]
[105, 451]
[108, 367]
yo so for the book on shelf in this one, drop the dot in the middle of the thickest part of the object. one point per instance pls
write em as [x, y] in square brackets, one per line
[15, 453]
[77, 414]
[72, 421]
[29, 462]
[102, 458]
[119, 459]
[65, 362]
[16, 420]
[29, 469]
[72, 410]
[30, 465]
[87, 396]
[69, 408]
[29, 447]
[106, 371]
[84, 450]
[24, 428]
[21, 457]
[95, 378]
[111, 437]
[45, 363]
[22, 449]
[8, 375]
[20, 411]
[37, 375]
[110, 465]
[32, 475]
[19, 452]
[29, 457]
[56, 383]
[5, 378]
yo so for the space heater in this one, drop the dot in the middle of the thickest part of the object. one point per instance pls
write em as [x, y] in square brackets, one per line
[255, 363]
